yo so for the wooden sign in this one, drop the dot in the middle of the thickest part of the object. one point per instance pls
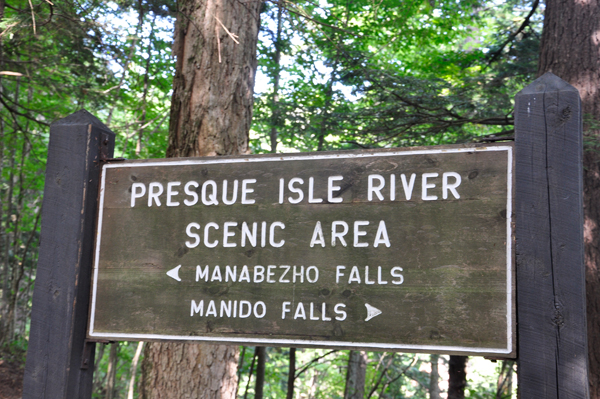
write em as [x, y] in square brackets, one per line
[407, 250]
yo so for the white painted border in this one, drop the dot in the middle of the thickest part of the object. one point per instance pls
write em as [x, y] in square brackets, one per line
[298, 342]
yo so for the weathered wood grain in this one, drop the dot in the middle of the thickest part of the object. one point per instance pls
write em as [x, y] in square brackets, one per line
[453, 253]
[549, 235]
[55, 366]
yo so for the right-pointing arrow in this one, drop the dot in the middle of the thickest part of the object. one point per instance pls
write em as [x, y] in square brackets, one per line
[174, 273]
[371, 312]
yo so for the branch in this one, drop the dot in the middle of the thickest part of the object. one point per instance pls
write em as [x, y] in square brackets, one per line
[510, 38]
[403, 372]
[301, 13]
[14, 111]
[387, 366]
[316, 359]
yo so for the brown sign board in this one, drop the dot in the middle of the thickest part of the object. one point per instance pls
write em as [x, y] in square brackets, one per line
[403, 250]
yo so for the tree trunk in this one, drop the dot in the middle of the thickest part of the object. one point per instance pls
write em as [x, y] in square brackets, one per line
[570, 49]
[504, 387]
[211, 111]
[356, 375]
[140, 134]
[291, 374]
[434, 378]
[97, 380]
[250, 374]
[211, 108]
[111, 372]
[457, 380]
[261, 358]
[276, 112]
[174, 370]
[133, 371]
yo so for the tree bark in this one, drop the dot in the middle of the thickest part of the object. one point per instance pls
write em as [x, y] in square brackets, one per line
[215, 46]
[174, 370]
[211, 111]
[356, 375]
[457, 381]
[134, 367]
[111, 371]
[570, 49]
[291, 374]
[276, 112]
[250, 374]
[97, 380]
[504, 387]
[434, 378]
[261, 358]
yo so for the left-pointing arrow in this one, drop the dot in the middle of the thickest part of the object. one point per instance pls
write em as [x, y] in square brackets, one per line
[174, 273]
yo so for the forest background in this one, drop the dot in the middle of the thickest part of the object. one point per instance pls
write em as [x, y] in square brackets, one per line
[331, 75]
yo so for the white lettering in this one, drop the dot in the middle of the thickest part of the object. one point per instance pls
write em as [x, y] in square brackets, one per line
[191, 192]
[271, 273]
[137, 194]
[311, 198]
[153, 195]
[396, 273]
[242, 314]
[316, 273]
[317, 237]
[195, 236]
[244, 274]
[359, 233]
[341, 314]
[212, 198]
[300, 312]
[211, 309]
[450, 187]
[408, 186]
[285, 309]
[323, 313]
[382, 235]
[259, 271]
[338, 273]
[201, 274]
[425, 186]
[264, 309]
[225, 309]
[230, 273]
[246, 234]
[312, 315]
[216, 274]
[246, 190]
[295, 190]
[227, 234]
[272, 235]
[354, 275]
[335, 235]
[206, 242]
[375, 189]
[287, 269]
[367, 281]
[234, 194]
[171, 193]
[379, 280]
[199, 308]
[281, 186]
[331, 188]
[301, 274]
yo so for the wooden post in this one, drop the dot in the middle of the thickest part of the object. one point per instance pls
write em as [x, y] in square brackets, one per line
[60, 362]
[549, 236]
